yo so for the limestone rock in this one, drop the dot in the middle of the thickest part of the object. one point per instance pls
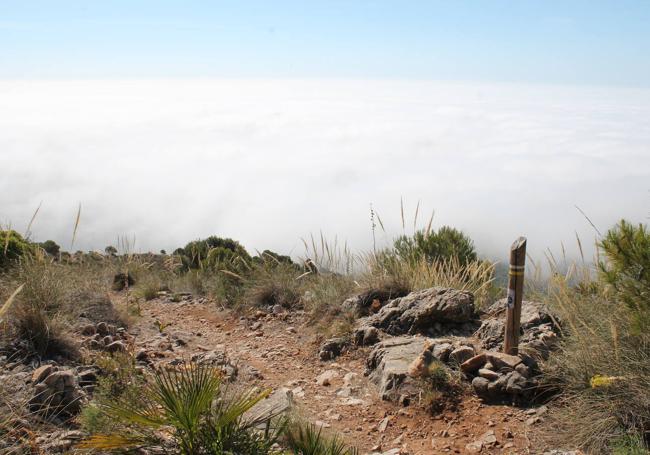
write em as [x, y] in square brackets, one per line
[420, 311]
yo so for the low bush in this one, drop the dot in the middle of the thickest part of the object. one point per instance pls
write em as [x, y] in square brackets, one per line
[12, 247]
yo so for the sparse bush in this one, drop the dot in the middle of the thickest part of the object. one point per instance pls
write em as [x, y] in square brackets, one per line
[273, 285]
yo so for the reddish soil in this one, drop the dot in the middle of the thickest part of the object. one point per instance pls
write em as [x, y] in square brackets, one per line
[285, 351]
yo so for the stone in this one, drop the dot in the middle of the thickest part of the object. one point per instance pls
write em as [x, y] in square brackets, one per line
[256, 326]
[523, 370]
[441, 351]
[418, 311]
[383, 424]
[332, 348]
[107, 340]
[116, 346]
[102, 329]
[516, 384]
[326, 377]
[480, 386]
[461, 354]
[371, 301]
[41, 373]
[388, 365]
[472, 364]
[279, 402]
[539, 328]
[488, 374]
[502, 361]
[366, 336]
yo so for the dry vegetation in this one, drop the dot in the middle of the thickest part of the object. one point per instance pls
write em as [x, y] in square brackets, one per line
[598, 380]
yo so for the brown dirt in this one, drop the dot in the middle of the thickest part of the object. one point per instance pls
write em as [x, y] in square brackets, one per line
[288, 359]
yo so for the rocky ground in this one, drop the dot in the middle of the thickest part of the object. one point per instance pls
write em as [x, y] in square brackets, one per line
[368, 391]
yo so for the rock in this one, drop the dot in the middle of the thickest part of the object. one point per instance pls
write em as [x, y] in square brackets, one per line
[419, 311]
[102, 329]
[142, 355]
[277, 309]
[57, 395]
[332, 348]
[523, 370]
[517, 384]
[502, 361]
[441, 351]
[41, 373]
[472, 364]
[480, 386]
[388, 365]
[538, 326]
[116, 346]
[279, 402]
[87, 379]
[461, 354]
[383, 424]
[107, 340]
[486, 441]
[366, 336]
[371, 301]
[420, 366]
[488, 374]
[349, 379]
[326, 377]
[256, 326]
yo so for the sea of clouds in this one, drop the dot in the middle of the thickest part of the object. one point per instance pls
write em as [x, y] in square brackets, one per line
[268, 162]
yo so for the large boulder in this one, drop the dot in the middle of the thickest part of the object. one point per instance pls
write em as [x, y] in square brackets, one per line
[433, 311]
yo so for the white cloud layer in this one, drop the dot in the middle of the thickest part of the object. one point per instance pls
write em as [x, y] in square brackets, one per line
[268, 162]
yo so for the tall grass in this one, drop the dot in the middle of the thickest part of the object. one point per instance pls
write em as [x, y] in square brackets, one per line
[601, 371]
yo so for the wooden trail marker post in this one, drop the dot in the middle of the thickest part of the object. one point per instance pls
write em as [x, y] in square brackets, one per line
[515, 295]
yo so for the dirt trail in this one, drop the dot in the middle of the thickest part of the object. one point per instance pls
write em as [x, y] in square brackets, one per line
[283, 353]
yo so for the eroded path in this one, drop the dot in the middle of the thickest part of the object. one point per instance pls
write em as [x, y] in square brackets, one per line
[275, 351]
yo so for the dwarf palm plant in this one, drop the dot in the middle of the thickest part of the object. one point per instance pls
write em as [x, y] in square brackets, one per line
[188, 409]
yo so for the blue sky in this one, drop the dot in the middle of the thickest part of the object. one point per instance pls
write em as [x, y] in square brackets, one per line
[557, 42]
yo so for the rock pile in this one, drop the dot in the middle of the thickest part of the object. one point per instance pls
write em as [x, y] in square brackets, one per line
[498, 376]
[56, 392]
[105, 337]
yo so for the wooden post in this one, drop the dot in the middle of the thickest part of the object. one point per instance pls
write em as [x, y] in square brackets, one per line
[515, 295]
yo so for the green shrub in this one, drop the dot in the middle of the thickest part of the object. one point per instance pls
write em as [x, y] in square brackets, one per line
[445, 243]
[626, 269]
[216, 253]
[50, 247]
[12, 247]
